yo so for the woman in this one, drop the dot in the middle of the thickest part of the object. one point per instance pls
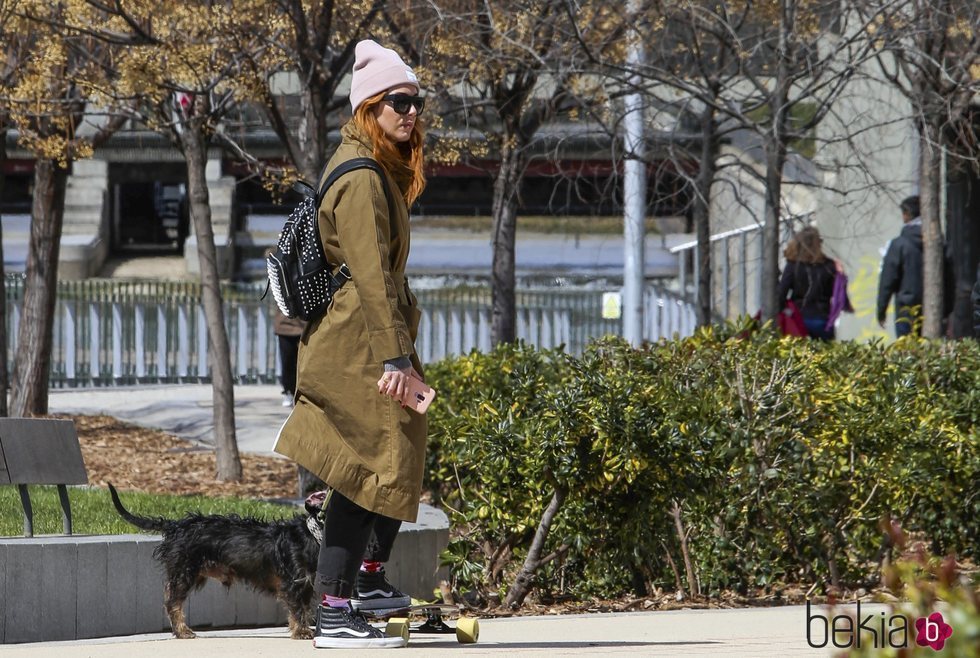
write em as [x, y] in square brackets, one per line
[808, 281]
[349, 425]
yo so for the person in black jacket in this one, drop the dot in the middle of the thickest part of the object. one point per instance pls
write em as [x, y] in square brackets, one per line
[901, 272]
[808, 280]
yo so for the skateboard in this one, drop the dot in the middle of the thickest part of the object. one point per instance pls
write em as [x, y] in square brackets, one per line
[426, 618]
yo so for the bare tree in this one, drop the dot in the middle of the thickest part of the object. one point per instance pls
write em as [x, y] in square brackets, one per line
[770, 70]
[12, 58]
[184, 67]
[315, 48]
[929, 50]
[45, 101]
[504, 69]
[4, 372]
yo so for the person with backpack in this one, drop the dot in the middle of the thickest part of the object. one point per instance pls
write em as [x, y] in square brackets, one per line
[350, 425]
[809, 282]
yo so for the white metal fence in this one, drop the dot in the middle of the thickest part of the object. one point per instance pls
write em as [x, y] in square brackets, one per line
[112, 332]
[736, 266]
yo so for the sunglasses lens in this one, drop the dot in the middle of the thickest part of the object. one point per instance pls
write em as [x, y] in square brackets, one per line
[402, 103]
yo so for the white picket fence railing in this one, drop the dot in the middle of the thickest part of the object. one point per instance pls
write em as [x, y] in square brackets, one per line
[115, 333]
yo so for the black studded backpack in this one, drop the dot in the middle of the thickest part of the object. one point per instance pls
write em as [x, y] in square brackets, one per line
[303, 283]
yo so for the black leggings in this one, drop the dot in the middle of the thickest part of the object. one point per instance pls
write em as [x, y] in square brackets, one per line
[350, 534]
[288, 351]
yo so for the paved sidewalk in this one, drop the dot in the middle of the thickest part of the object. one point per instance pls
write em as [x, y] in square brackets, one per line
[184, 410]
[752, 633]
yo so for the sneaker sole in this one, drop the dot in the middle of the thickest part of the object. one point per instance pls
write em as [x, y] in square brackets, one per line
[381, 604]
[358, 643]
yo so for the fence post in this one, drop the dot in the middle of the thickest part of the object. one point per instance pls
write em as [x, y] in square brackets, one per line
[117, 338]
[139, 347]
[94, 334]
[70, 350]
[183, 348]
[202, 343]
[162, 368]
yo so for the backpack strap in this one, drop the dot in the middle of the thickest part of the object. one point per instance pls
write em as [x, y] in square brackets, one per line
[348, 166]
[343, 275]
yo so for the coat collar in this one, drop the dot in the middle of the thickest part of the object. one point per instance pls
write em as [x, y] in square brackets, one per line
[350, 132]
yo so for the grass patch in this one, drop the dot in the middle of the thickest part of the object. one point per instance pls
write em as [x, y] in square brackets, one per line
[93, 513]
[602, 225]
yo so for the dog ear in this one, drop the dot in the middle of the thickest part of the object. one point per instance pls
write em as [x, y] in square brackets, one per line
[314, 502]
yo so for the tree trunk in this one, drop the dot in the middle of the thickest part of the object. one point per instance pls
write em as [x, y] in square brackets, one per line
[525, 577]
[219, 356]
[775, 157]
[32, 365]
[504, 327]
[313, 136]
[702, 216]
[775, 150]
[930, 193]
[4, 371]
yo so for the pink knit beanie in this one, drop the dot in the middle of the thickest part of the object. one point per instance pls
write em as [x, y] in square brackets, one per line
[377, 69]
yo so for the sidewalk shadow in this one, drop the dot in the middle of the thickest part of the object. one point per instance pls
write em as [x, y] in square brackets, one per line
[558, 644]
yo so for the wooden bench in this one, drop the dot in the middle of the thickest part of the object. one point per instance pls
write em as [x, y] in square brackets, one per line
[40, 451]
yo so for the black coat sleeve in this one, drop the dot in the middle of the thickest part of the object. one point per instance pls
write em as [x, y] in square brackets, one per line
[786, 282]
[891, 277]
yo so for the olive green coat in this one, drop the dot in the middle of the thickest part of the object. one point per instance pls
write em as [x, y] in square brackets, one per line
[361, 443]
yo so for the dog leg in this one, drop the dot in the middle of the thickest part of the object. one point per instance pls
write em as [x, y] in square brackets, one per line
[299, 627]
[298, 605]
[174, 605]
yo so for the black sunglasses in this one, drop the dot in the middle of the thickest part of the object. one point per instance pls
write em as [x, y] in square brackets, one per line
[401, 103]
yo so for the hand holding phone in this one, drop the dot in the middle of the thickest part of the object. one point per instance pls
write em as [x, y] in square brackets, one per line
[407, 387]
[420, 395]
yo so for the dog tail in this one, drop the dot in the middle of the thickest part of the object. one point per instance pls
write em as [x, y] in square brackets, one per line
[141, 522]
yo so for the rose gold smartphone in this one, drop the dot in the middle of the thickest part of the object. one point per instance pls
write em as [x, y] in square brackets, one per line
[420, 395]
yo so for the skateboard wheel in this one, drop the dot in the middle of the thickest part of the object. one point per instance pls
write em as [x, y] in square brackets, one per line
[397, 627]
[467, 630]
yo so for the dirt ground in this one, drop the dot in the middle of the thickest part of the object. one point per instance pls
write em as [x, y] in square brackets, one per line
[136, 458]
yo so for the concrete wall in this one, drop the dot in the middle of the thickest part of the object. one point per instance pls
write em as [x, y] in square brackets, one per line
[85, 239]
[866, 177]
[66, 588]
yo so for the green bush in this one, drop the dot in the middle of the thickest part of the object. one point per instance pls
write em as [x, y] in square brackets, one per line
[722, 460]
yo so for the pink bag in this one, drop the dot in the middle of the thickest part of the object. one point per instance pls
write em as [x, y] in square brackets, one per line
[790, 321]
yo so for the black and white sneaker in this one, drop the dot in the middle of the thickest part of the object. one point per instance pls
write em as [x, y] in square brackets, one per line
[374, 592]
[342, 628]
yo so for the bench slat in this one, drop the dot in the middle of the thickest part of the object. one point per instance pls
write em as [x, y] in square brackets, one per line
[40, 451]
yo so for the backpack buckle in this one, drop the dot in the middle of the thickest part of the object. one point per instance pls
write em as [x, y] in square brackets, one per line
[344, 271]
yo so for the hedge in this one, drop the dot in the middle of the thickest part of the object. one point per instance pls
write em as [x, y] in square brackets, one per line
[719, 461]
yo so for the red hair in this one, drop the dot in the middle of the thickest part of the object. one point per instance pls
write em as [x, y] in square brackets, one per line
[397, 158]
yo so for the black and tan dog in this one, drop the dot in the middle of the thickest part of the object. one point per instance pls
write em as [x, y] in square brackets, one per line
[277, 557]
